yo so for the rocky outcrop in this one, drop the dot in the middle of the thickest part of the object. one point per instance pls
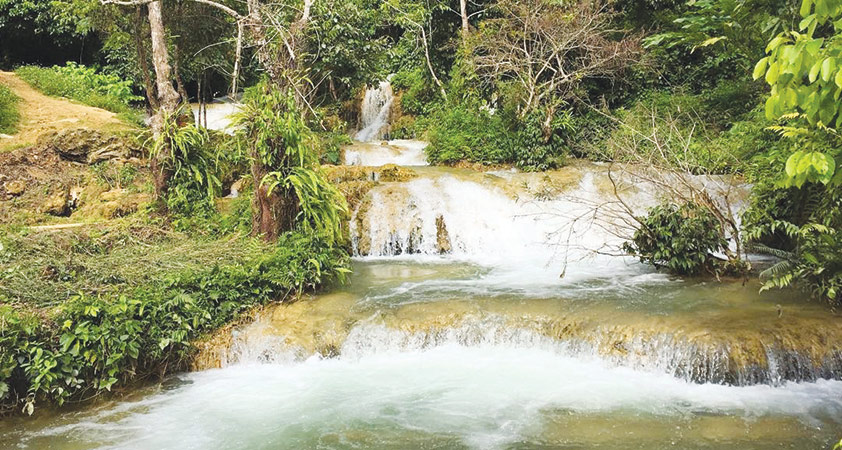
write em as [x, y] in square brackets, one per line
[88, 146]
[15, 188]
[442, 236]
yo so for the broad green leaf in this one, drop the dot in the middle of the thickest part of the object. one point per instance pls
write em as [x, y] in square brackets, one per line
[760, 68]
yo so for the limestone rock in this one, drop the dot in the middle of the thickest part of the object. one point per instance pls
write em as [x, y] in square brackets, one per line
[15, 188]
[392, 172]
[57, 204]
[87, 146]
[442, 236]
[114, 194]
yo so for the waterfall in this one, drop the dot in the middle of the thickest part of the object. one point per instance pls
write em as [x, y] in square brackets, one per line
[376, 107]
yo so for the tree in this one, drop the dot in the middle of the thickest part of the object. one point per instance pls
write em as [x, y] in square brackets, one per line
[804, 70]
[548, 48]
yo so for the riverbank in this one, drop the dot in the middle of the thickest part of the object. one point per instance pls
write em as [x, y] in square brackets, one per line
[93, 309]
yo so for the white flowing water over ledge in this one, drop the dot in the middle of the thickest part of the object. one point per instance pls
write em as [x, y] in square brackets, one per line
[450, 396]
[374, 114]
[403, 152]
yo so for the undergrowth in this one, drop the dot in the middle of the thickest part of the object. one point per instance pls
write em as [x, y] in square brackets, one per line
[9, 114]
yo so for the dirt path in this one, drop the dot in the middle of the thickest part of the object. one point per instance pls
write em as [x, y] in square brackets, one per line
[41, 114]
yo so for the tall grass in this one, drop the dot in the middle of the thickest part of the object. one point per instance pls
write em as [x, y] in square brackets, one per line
[9, 114]
[83, 84]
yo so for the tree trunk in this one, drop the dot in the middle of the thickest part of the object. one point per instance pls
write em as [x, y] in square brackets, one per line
[275, 213]
[463, 9]
[168, 98]
[151, 95]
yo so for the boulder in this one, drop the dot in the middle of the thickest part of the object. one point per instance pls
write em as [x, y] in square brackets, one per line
[57, 204]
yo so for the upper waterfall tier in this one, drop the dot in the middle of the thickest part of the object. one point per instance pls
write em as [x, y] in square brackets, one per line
[374, 115]
[506, 217]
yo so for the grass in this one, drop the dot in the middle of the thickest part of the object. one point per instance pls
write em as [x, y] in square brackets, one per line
[83, 84]
[9, 114]
[42, 269]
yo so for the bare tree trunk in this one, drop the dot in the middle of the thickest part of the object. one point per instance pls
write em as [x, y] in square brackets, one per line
[182, 91]
[168, 98]
[463, 9]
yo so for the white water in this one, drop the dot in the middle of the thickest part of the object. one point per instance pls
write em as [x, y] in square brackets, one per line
[482, 397]
[403, 152]
[219, 114]
[525, 239]
[376, 107]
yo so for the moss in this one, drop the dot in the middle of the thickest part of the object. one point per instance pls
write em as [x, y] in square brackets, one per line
[392, 172]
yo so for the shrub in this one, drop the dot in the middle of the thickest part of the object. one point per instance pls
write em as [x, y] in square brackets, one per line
[803, 228]
[81, 83]
[9, 114]
[680, 238]
[466, 132]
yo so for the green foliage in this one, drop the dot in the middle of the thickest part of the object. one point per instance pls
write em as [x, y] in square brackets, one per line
[468, 131]
[9, 115]
[418, 95]
[330, 146]
[84, 84]
[92, 343]
[804, 69]
[680, 238]
[740, 27]
[113, 175]
[282, 143]
[349, 53]
[801, 226]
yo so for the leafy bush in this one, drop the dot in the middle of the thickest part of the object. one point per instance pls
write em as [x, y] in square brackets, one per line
[194, 183]
[81, 83]
[283, 150]
[418, 95]
[801, 226]
[92, 343]
[466, 132]
[9, 115]
[679, 238]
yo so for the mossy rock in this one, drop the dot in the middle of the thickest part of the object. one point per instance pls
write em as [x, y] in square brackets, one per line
[392, 172]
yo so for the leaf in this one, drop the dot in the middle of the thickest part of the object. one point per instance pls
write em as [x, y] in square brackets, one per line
[814, 71]
[828, 66]
[806, 6]
[760, 68]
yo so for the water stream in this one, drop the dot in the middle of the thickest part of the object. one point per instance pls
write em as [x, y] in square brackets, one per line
[486, 312]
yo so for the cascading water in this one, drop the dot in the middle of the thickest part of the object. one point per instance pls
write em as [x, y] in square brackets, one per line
[374, 115]
[486, 311]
